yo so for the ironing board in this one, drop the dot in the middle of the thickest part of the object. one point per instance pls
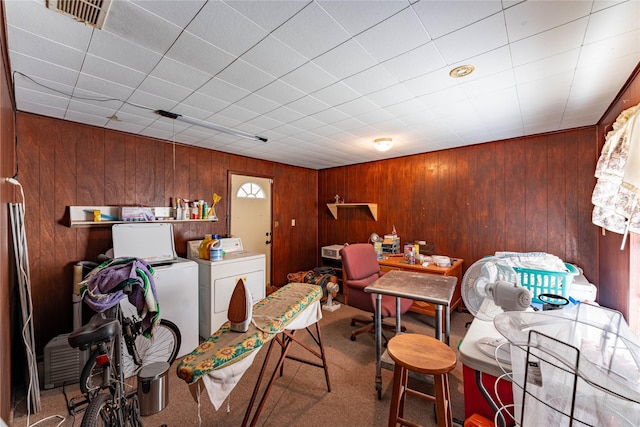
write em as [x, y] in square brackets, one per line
[219, 362]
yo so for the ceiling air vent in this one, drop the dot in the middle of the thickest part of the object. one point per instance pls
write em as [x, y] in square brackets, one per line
[91, 12]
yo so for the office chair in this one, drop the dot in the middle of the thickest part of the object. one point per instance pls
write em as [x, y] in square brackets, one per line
[360, 264]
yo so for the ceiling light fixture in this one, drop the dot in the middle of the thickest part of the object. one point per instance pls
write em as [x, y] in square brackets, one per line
[383, 144]
[461, 71]
[211, 126]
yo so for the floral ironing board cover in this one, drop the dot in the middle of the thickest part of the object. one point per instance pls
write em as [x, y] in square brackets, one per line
[226, 347]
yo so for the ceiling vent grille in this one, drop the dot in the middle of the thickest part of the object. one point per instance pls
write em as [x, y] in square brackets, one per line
[91, 12]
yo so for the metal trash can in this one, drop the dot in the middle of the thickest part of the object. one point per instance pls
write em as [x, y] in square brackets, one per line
[153, 388]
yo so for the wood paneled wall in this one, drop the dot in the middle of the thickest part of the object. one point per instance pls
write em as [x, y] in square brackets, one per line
[66, 164]
[525, 194]
[8, 194]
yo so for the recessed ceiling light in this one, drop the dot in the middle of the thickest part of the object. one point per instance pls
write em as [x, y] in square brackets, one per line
[383, 144]
[461, 71]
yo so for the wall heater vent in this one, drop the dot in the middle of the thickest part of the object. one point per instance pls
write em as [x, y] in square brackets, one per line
[91, 12]
[62, 364]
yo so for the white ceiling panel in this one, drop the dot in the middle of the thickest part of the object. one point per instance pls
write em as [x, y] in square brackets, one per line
[444, 17]
[473, 40]
[321, 79]
[311, 32]
[399, 34]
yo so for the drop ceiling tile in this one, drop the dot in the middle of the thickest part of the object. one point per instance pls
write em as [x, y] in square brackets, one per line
[101, 110]
[549, 43]
[180, 74]
[330, 115]
[527, 19]
[167, 10]
[224, 91]
[233, 115]
[336, 94]
[473, 40]
[446, 97]
[168, 90]
[127, 115]
[111, 71]
[311, 32]
[40, 109]
[122, 51]
[612, 21]
[130, 22]
[284, 114]
[357, 16]
[52, 75]
[274, 57]
[611, 49]
[348, 124]
[429, 83]
[444, 17]
[35, 97]
[197, 53]
[547, 67]
[391, 95]
[371, 80]
[150, 101]
[308, 105]
[489, 84]
[245, 76]
[261, 124]
[95, 87]
[397, 35]
[257, 104]
[280, 92]
[34, 17]
[419, 61]
[309, 78]
[357, 107]
[200, 106]
[334, 63]
[268, 15]
[219, 24]
[44, 49]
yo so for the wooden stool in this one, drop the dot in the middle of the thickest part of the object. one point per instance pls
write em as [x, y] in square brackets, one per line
[423, 355]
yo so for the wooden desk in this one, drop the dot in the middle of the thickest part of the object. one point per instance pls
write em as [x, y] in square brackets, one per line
[422, 307]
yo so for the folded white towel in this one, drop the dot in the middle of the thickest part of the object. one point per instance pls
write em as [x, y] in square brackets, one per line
[533, 261]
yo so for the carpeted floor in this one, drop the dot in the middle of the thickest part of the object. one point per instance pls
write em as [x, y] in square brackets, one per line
[299, 397]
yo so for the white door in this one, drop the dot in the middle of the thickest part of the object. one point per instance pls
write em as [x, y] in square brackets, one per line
[251, 215]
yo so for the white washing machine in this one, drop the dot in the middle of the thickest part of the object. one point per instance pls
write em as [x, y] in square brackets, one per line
[176, 279]
[217, 280]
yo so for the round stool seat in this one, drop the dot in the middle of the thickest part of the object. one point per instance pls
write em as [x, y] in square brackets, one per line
[421, 354]
[424, 355]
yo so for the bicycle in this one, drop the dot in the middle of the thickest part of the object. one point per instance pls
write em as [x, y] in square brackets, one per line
[107, 335]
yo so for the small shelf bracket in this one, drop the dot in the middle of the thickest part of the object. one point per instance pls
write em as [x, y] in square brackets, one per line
[373, 208]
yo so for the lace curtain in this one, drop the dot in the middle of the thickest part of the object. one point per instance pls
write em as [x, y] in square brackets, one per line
[616, 196]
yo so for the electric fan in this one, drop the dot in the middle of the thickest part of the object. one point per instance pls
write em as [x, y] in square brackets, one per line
[489, 287]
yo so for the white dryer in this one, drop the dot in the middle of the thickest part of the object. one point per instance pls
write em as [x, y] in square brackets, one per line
[176, 278]
[217, 280]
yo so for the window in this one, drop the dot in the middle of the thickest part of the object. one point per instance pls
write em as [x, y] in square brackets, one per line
[250, 190]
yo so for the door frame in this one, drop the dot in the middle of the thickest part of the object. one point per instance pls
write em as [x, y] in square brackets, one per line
[230, 173]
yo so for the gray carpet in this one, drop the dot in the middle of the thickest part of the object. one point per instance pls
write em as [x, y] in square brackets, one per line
[299, 397]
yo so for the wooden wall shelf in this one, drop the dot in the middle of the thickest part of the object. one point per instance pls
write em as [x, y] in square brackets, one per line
[79, 217]
[333, 207]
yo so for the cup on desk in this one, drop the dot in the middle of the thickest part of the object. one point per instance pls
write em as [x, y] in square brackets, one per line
[441, 261]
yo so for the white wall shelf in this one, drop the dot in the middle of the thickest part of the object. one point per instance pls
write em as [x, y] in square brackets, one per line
[373, 208]
[82, 216]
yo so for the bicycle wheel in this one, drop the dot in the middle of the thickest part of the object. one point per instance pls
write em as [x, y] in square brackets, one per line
[163, 346]
[100, 412]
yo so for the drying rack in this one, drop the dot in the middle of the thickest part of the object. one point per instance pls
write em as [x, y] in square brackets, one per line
[573, 367]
